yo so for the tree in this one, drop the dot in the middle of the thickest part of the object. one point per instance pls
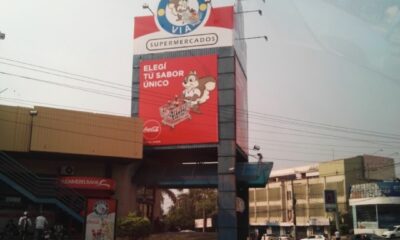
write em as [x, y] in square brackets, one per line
[205, 204]
[197, 203]
[133, 227]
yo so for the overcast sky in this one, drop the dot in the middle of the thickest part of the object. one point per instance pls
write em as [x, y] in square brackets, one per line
[328, 68]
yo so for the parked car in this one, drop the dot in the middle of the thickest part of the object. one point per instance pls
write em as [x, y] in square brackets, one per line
[269, 237]
[367, 236]
[285, 237]
[392, 232]
[315, 237]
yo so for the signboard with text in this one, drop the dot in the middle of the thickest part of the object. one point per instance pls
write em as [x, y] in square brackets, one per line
[178, 100]
[100, 219]
[181, 25]
[92, 183]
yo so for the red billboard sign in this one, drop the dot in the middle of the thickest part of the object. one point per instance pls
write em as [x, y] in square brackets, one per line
[91, 183]
[178, 100]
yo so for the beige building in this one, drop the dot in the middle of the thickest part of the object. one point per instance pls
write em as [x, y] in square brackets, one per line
[271, 208]
[92, 156]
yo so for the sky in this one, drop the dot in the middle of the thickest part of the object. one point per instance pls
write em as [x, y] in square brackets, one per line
[326, 84]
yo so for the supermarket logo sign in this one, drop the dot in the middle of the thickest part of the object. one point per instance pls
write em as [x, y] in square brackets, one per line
[181, 16]
[182, 25]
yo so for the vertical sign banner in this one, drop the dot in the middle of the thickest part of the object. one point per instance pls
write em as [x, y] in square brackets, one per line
[100, 219]
[178, 100]
[179, 25]
[330, 201]
[242, 126]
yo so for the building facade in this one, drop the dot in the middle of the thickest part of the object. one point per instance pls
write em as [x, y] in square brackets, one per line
[296, 195]
[375, 206]
[67, 164]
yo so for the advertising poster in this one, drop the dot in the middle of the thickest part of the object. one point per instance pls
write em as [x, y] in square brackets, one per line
[178, 100]
[178, 25]
[100, 219]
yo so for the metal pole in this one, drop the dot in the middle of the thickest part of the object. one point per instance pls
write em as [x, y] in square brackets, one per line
[337, 213]
[294, 212]
[337, 219]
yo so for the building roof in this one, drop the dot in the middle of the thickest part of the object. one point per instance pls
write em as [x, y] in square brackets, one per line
[292, 171]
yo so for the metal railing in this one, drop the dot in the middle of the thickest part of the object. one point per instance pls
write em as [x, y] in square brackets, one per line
[41, 189]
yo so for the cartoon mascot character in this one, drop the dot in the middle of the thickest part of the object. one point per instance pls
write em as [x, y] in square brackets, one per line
[197, 90]
[184, 14]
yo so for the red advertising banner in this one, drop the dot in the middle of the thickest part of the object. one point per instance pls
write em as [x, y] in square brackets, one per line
[178, 100]
[100, 219]
[92, 183]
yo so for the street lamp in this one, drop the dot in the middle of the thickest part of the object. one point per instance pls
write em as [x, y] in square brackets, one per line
[247, 38]
[146, 6]
[258, 156]
[259, 11]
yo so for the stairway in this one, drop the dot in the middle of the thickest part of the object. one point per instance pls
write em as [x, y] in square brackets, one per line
[41, 190]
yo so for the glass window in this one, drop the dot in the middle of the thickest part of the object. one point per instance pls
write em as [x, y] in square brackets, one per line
[388, 215]
[366, 213]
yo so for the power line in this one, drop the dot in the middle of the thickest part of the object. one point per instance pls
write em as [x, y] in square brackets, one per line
[64, 72]
[105, 93]
[255, 114]
[210, 125]
[277, 118]
[119, 96]
[63, 130]
[285, 120]
[70, 131]
[24, 101]
[68, 77]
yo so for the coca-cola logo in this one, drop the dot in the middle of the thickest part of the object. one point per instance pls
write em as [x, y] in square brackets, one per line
[151, 129]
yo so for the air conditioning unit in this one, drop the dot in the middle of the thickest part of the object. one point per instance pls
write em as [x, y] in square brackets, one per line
[67, 170]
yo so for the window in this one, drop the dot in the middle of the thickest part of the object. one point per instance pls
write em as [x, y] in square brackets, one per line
[366, 213]
[261, 195]
[274, 194]
[388, 215]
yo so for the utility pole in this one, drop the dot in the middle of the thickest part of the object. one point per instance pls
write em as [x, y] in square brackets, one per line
[294, 216]
[337, 218]
[294, 212]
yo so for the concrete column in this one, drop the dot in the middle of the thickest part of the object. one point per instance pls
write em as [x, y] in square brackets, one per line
[354, 213]
[227, 218]
[125, 191]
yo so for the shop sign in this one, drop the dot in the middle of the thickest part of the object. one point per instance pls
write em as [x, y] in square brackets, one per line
[100, 219]
[378, 189]
[182, 25]
[178, 100]
[93, 183]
